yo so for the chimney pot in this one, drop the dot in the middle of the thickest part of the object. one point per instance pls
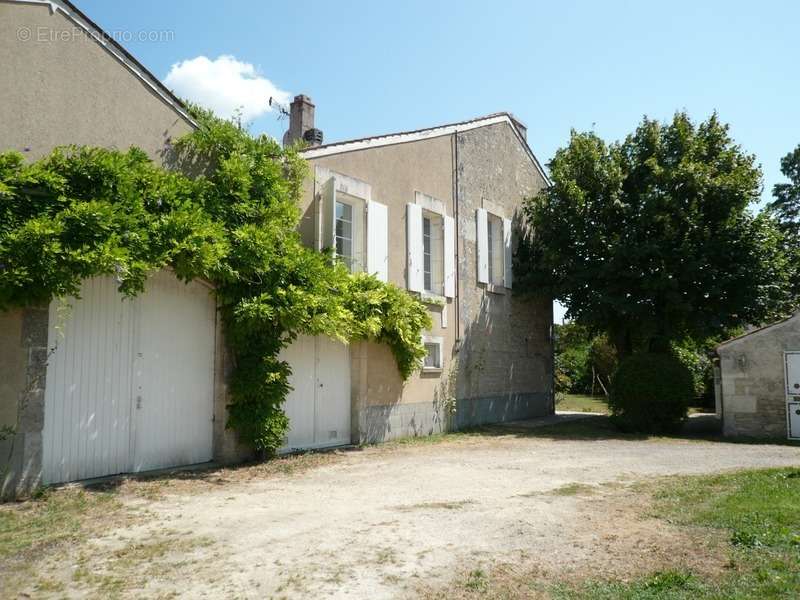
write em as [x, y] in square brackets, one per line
[301, 122]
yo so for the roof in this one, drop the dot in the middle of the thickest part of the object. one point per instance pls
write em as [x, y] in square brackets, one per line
[757, 330]
[74, 14]
[422, 134]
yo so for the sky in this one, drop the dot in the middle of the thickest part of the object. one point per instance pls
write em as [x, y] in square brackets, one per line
[375, 67]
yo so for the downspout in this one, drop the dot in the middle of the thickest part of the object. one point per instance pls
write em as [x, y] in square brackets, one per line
[457, 202]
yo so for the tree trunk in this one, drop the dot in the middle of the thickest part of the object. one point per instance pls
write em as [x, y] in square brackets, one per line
[621, 339]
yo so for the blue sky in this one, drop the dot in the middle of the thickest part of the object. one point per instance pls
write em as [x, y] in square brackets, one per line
[377, 67]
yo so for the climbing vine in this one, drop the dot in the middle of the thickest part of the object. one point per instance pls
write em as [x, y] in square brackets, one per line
[226, 211]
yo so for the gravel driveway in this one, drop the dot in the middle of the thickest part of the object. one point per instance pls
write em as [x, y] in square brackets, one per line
[383, 521]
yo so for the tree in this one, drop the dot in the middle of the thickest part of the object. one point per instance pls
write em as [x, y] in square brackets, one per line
[651, 240]
[786, 210]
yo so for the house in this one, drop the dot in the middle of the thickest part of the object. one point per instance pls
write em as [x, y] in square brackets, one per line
[433, 211]
[757, 378]
[104, 386]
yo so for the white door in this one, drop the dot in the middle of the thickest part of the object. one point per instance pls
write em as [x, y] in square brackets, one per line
[87, 412]
[173, 374]
[129, 384]
[793, 409]
[792, 370]
[318, 406]
[299, 405]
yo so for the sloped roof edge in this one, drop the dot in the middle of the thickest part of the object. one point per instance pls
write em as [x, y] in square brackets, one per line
[74, 14]
[423, 134]
[757, 330]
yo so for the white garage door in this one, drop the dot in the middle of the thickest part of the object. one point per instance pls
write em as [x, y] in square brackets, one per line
[129, 386]
[318, 406]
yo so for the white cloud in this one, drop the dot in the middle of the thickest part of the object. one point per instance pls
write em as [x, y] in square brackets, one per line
[224, 85]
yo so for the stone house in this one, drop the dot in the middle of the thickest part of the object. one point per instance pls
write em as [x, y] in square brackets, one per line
[106, 385]
[757, 378]
[434, 211]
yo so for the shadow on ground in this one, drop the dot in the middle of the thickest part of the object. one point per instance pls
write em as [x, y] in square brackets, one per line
[555, 427]
[602, 427]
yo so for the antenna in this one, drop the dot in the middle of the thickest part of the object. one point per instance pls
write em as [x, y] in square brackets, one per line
[283, 111]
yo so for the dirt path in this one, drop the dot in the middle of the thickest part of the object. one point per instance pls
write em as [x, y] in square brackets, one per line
[383, 522]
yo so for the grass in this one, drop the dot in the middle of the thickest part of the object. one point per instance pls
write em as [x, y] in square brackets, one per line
[583, 403]
[444, 505]
[758, 512]
[54, 518]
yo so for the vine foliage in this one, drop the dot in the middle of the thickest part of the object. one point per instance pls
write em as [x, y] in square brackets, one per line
[227, 211]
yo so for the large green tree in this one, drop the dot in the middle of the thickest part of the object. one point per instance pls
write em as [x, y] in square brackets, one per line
[786, 210]
[651, 240]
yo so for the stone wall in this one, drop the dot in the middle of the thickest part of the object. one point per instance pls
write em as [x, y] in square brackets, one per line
[21, 453]
[753, 397]
[506, 354]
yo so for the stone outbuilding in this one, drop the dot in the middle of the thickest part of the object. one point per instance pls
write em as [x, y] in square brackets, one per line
[758, 382]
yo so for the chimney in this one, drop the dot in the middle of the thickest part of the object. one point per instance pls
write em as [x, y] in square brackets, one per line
[301, 123]
[523, 131]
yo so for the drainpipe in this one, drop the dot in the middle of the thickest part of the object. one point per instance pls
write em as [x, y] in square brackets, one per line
[457, 202]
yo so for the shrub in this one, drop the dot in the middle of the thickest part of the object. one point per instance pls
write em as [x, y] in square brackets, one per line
[650, 393]
[700, 367]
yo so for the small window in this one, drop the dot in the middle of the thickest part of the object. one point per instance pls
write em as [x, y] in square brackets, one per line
[433, 356]
[433, 359]
[496, 258]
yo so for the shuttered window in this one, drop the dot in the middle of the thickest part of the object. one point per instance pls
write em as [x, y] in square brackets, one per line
[431, 251]
[494, 241]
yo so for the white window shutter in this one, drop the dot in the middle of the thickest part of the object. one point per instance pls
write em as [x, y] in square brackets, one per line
[416, 281]
[328, 237]
[483, 245]
[378, 240]
[509, 253]
[449, 257]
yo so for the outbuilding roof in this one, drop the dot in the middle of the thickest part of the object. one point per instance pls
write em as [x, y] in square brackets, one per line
[756, 330]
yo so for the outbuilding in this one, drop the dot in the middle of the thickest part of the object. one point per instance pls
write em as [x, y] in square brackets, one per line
[758, 382]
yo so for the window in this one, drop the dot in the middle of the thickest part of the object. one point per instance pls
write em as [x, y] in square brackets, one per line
[349, 214]
[432, 253]
[426, 252]
[496, 249]
[344, 233]
[433, 356]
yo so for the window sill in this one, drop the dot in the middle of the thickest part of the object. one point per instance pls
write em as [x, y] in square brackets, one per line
[431, 370]
[431, 298]
[495, 288]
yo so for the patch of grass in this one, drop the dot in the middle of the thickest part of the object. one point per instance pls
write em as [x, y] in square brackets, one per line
[445, 505]
[583, 403]
[55, 517]
[573, 489]
[476, 581]
[759, 509]
[136, 564]
[667, 585]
